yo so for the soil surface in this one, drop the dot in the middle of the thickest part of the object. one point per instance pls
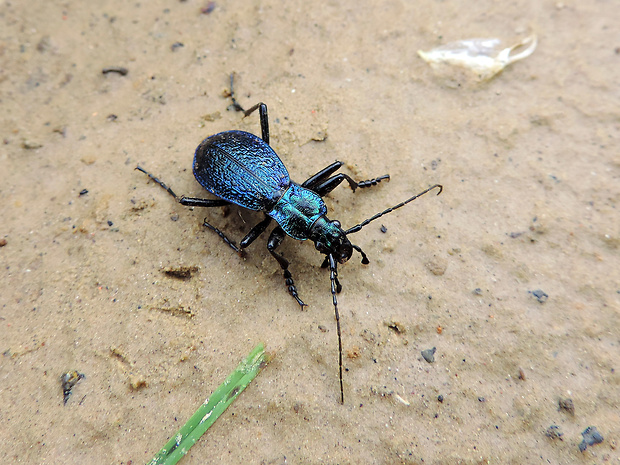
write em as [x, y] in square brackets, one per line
[512, 274]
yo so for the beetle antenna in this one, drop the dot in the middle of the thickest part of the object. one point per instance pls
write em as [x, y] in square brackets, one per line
[358, 227]
[333, 276]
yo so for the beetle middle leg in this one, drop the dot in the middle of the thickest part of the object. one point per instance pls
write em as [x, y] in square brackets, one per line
[255, 232]
[322, 183]
[275, 239]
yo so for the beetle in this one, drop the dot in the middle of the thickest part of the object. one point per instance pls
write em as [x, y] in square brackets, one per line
[242, 169]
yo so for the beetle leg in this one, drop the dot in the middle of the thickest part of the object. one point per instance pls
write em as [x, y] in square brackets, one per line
[236, 106]
[194, 202]
[264, 119]
[330, 184]
[322, 175]
[225, 238]
[262, 110]
[187, 201]
[322, 184]
[275, 239]
[255, 232]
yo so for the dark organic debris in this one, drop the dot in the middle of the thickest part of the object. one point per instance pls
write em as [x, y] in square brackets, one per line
[68, 380]
[540, 295]
[115, 69]
[83, 192]
[383, 229]
[591, 436]
[567, 405]
[554, 432]
[31, 145]
[176, 45]
[396, 326]
[180, 272]
[440, 398]
[429, 354]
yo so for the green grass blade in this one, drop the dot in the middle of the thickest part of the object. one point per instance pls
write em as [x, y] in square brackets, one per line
[211, 409]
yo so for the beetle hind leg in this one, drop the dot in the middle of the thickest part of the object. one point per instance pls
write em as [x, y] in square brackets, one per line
[275, 239]
[261, 107]
[225, 238]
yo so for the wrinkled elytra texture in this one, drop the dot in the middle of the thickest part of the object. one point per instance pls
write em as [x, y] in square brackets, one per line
[241, 168]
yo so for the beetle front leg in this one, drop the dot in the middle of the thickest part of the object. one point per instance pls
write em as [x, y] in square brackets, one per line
[275, 239]
[313, 181]
[323, 184]
[333, 182]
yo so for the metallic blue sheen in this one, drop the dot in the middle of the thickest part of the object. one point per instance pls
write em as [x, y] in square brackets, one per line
[241, 168]
[297, 210]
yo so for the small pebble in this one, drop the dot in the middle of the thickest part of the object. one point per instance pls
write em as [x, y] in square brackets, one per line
[437, 266]
[208, 9]
[591, 436]
[383, 229]
[554, 432]
[540, 295]
[440, 398]
[429, 354]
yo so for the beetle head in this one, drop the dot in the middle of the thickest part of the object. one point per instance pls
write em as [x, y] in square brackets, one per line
[330, 239]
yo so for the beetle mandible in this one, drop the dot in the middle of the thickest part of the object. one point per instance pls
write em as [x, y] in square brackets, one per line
[241, 168]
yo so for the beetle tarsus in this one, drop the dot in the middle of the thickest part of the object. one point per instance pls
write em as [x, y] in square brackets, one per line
[290, 284]
[224, 237]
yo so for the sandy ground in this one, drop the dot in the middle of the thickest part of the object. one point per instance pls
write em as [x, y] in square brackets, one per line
[529, 160]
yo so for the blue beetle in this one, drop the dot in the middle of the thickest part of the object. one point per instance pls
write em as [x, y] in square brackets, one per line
[242, 169]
